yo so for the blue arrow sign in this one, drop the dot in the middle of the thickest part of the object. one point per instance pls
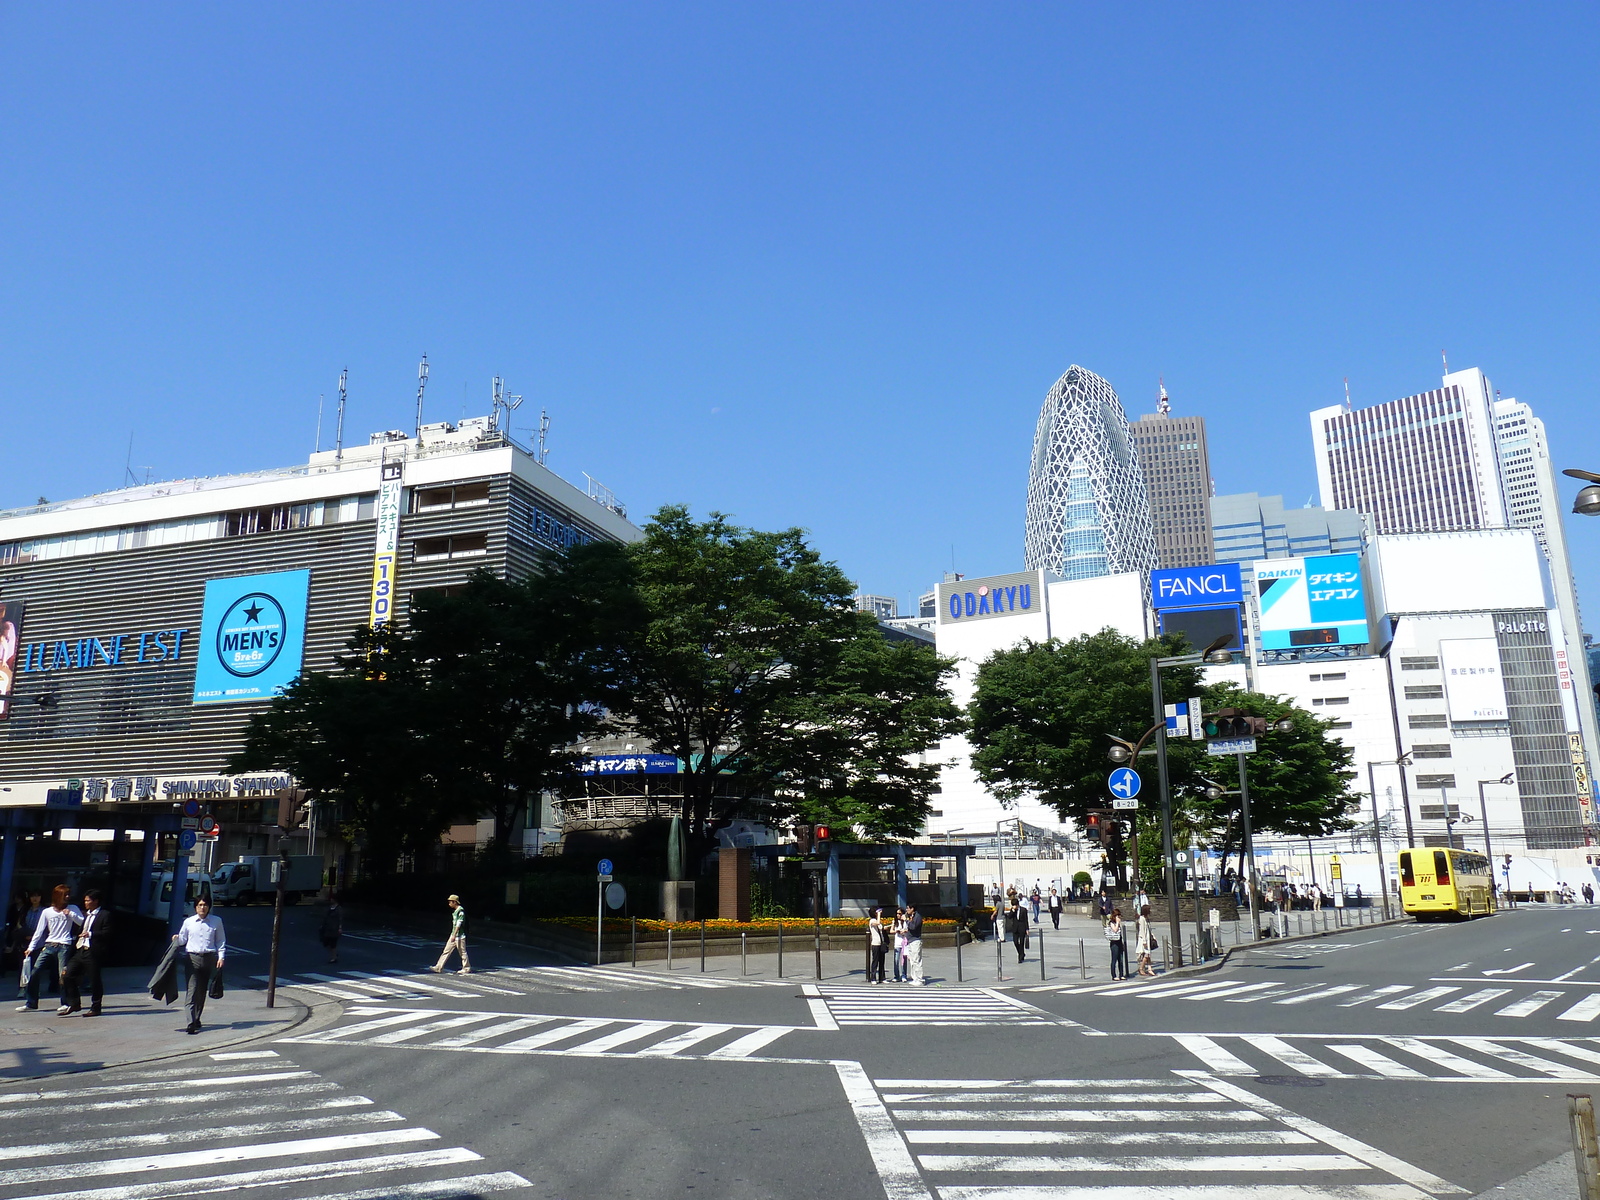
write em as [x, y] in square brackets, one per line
[605, 866]
[1124, 782]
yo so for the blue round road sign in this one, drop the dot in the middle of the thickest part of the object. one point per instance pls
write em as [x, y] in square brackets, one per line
[186, 840]
[605, 866]
[191, 808]
[1124, 783]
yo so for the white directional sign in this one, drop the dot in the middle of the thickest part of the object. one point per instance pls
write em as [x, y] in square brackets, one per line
[1222, 747]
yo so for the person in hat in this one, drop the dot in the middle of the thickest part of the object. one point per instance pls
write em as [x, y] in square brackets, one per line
[457, 942]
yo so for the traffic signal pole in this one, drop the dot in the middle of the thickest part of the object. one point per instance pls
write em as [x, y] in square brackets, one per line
[1249, 844]
[1175, 930]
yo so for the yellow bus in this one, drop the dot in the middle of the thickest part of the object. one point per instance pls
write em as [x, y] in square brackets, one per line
[1436, 882]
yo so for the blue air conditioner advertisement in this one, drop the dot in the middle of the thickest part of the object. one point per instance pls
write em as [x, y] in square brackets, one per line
[1305, 603]
[252, 637]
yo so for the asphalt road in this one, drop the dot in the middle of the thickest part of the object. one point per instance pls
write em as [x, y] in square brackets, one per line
[1300, 1071]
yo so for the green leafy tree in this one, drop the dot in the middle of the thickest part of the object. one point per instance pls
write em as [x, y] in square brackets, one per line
[1043, 714]
[749, 663]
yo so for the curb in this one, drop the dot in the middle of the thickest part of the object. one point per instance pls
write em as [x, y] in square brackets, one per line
[306, 1012]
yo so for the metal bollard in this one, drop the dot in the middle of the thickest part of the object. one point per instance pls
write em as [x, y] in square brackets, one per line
[1041, 956]
[1300, 922]
[1585, 1150]
[669, 947]
[960, 929]
[780, 948]
[633, 938]
[1166, 955]
[1083, 961]
[1194, 949]
[702, 945]
[743, 947]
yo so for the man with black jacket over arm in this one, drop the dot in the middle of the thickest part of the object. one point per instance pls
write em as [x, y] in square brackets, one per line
[88, 956]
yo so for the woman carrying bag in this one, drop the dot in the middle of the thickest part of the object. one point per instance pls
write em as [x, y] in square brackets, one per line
[1145, 939]
[878, 946]
[1117, 938]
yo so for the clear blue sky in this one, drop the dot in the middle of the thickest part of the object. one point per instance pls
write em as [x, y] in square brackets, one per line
[807, 264]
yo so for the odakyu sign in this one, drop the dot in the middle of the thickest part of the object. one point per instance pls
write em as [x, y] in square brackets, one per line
[252, 637]
[997, 596]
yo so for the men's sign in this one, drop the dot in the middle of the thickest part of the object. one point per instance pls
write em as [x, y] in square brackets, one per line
[252, 637]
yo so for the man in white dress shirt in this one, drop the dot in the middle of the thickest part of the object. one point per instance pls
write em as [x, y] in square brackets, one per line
[202, 940]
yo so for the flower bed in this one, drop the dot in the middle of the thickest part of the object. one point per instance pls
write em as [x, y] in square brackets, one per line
[719, 928]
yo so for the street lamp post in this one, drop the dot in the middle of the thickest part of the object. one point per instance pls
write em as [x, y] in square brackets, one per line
[1588, 502]
[1483, 811]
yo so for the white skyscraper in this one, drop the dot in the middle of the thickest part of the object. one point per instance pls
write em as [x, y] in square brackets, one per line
[1088, 510]
[1533, 502]
[1427, 463]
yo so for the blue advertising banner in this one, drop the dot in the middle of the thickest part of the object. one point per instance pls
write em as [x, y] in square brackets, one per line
[1196, 587]
[627, 764]
[252, 637]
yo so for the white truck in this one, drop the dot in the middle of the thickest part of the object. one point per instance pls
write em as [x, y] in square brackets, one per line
[159, 902]
[252, 878]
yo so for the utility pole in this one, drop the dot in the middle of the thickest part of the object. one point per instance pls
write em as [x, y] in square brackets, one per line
[277, 918]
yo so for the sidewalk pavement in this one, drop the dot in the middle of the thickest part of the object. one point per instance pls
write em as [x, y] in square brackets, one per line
[133, 1028]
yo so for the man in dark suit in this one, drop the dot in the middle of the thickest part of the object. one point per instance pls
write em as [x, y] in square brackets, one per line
[88, 955]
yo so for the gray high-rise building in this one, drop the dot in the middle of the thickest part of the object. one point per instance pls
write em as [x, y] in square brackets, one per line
[1177, 478]
[1088, 511]
[1246, 527]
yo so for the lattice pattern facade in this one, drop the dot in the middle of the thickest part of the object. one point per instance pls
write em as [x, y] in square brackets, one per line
[1088, 510]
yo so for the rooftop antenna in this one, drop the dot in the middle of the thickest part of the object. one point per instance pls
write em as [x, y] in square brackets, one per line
[544, 429]
[1163, 405]
[502, 399]
[1347, 393]
[127, 468]
[1445, 361]
[321, 396]
[338, 437]
[422, 385]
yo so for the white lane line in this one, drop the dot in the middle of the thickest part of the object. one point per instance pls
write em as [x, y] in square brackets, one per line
[751, 1042]
[984, 1085]
[211, 1098]
[229, 1112]
[1440, 1057]
[1176, 989]
[1188, 1163]
[819, 1007]
[635, 1032]
[1283, 990]
[559, 1033]
[1382, 1064]
[415, 1014]
[1530, 1004]
[1321, 994]
[683, 1041]
[1584, 1010]
[1101, 1137]
[186, 1159]
[395, 1036]
[165, 1137]
[1425, 996]
[336, 993]
[1291, 1056]
[1220, 1191]
[382, 991]
[414, 1160]
[1375, 994]
[399, 974]
[1071, 1097]
[1582, 1053]
[1114, 1116]
[167, 1085]
[1208, 1051]
[1371, 1155]
[438, 1189]
[483, 1035]
[1470, 1002]
[474, 985]
[1232, 989]
[886, 1149]
[1519, 1058]
[235, 1055]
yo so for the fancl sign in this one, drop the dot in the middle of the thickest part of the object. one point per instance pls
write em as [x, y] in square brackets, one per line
[1196, 587]
[996, 596]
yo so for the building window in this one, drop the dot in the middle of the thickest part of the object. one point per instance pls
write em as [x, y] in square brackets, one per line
[442, 499]
[1436, 781]
[1422, 663]
[1431, 750]
[1429, 721]
[1331, 700]
[1340, 724]
[462, 545]
[1426, 691]
[1331, 677]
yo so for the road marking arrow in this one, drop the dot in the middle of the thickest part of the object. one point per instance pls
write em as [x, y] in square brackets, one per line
[1509, 970]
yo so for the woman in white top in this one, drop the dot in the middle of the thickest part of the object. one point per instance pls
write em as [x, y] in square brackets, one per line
[204, 944]
[1145, 939]
[51, 943]
[877, 946]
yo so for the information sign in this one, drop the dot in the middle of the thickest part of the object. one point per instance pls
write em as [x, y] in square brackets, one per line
[1222, 747]
[1119, 803]
[186, 840]
[605, 866]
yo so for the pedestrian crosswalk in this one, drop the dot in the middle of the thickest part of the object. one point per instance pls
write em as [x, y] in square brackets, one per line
[1581, 1006]
[1436, 1059]
[242, 1121]
[397, 983]
[928, 1006]
[528, 1033]
[1189, 1135]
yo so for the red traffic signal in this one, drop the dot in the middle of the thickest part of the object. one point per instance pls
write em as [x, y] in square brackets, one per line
[822, 833]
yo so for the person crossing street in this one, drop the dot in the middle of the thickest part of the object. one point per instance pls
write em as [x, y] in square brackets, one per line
[1053, 902]
[204, 944]
[457, 941]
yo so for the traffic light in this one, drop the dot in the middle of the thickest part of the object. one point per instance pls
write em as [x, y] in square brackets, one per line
[293, 808]
[1093, 830]
[822, 833]
[1231, 723]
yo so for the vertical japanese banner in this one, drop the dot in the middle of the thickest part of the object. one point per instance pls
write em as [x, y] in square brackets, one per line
[385, 559]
